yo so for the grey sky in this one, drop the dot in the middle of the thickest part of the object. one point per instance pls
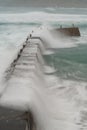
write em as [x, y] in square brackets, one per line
[44, 3]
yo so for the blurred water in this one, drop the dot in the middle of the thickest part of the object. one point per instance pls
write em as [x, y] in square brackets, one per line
[60, 103]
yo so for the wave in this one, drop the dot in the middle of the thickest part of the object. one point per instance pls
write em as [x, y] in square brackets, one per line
[41, 17]
[56, 105]
[20, 23]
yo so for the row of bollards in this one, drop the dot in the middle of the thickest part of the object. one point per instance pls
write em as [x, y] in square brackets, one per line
[13, 64]
[19, 54]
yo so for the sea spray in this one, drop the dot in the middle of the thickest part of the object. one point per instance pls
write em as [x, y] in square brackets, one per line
[56, 39]
[30, 92]
[60, 104]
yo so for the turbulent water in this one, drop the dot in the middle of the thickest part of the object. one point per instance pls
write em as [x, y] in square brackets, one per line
[61, 103]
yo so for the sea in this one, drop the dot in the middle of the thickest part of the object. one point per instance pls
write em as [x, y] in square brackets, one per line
[61, 102]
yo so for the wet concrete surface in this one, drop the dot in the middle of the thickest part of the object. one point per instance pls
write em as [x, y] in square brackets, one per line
[9, 121]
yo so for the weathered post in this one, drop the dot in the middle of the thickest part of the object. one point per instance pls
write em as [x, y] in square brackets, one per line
[30, 123]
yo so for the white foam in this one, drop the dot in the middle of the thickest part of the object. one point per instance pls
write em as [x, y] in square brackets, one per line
[49, 70]
[60, 41]
[41, 17]
[55, 103]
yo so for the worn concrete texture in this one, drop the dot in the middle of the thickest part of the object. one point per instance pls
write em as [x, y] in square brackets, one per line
[8, 120]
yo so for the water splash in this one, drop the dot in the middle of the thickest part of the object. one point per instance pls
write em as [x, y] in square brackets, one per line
[55, 103]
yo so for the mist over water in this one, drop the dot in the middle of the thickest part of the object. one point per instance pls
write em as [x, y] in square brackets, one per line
[57, 96]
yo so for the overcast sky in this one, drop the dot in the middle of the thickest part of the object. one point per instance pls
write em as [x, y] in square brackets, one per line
[44, 3]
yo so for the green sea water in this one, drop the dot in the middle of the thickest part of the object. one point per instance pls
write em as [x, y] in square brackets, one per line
[62, 103]
[70, 63]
